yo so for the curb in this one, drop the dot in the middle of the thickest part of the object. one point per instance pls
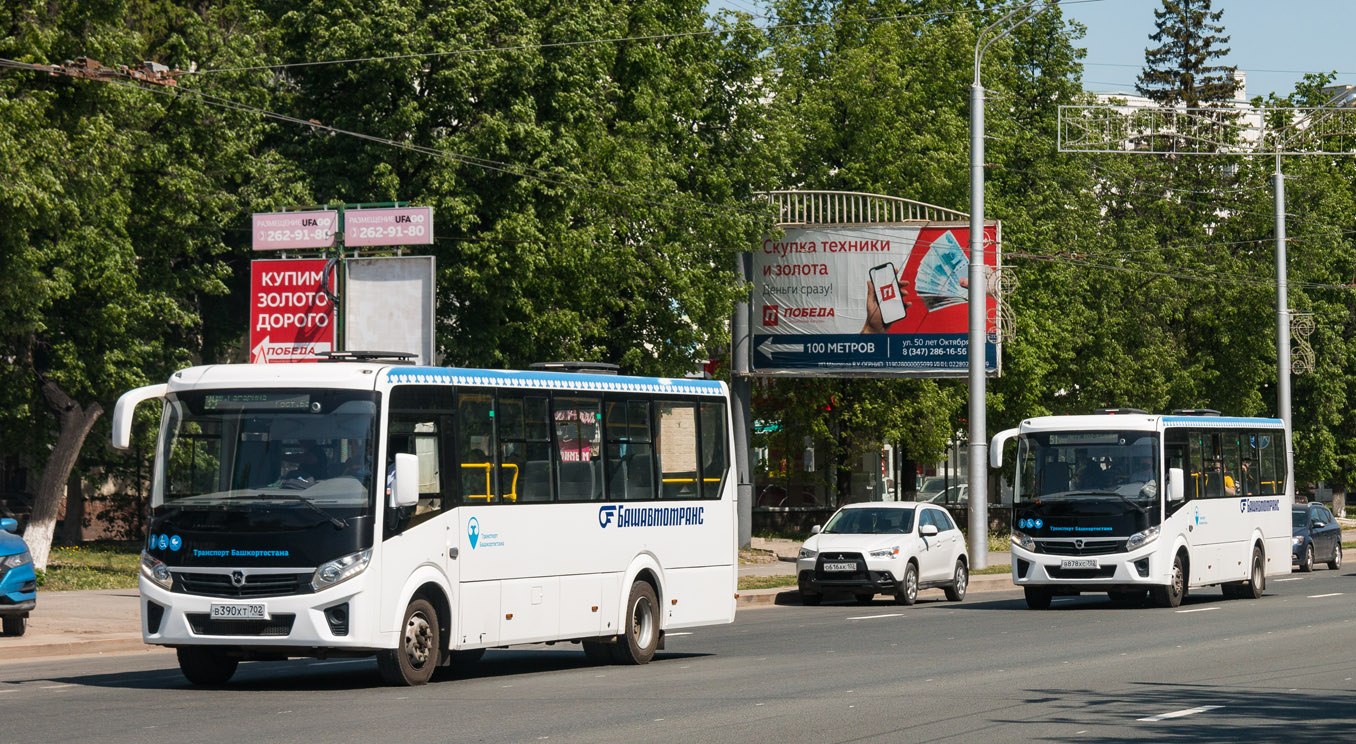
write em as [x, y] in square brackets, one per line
[753, 598]
[129, 644]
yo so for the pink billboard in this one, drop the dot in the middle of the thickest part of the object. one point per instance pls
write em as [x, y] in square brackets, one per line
[388, 226]
[278, 231]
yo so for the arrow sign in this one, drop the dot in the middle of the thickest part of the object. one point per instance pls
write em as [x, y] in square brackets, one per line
[767, 348]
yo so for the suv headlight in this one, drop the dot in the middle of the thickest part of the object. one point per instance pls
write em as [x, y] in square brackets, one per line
[807, 553]
[14, 561]
[155, 569]
[1140, 539]
[885, 553]
[340, 570]
[1023, 540]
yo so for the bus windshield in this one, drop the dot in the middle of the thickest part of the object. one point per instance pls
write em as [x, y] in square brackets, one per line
[1085, 483]
[307, 452]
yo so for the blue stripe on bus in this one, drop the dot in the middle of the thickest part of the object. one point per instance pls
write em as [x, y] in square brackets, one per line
[1218, 421]
[550, 380]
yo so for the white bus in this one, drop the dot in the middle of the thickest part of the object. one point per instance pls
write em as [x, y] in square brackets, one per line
[426, 514]
[1130, 503]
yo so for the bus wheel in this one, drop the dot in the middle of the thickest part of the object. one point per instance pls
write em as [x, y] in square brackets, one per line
[1171, 595]
[1037, 599]
[207, 666]
[412, 662]
[1336, 561]
[1257, 581]
[640, 634]
[959, 583]
[1307, 564]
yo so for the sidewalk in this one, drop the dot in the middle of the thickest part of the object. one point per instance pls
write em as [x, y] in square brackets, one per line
[77, 623]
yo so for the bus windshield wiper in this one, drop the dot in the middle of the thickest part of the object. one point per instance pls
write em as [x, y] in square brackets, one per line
[338, 523]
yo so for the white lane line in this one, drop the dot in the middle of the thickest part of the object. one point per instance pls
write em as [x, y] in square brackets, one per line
[671, 635]
[1198, 609]
[54, 687]
[345, 661]
[1321, 596]
[1297, 578]
[1180, 713]
[874, 617]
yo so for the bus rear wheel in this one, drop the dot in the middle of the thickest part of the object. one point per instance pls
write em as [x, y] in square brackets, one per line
[640, 634]
[416, 655]
[206, 666]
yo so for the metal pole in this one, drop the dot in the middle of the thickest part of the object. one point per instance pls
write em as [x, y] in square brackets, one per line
[740, 398]
[979, 442]
[1282, 306]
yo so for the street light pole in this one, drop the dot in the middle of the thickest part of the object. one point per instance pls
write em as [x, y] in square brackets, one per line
[979, 442]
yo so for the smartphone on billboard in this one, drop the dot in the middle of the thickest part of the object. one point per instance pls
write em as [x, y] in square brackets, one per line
[886, 284]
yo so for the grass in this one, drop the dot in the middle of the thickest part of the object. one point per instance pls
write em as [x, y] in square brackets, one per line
[992, 570]
[101, 565]
[766, 582]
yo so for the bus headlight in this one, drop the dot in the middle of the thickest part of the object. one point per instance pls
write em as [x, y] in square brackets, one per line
[1140, 539]
[156, 570]
[1023, 540]
[340, 570]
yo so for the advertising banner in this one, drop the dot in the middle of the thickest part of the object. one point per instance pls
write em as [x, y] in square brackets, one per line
[388, 305]
[869, 300]
[388, 226]
[280, 231]
[291, 318]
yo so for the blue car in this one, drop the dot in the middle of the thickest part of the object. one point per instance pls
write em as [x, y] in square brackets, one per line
[1315, 536]
[18, 581]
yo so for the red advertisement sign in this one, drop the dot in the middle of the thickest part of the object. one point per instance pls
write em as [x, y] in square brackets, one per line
[291, 318]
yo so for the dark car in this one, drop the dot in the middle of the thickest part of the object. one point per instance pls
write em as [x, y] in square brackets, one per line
[1316, 536]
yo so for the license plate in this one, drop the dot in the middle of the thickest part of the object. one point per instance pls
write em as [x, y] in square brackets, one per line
[239, 612]
[840, 566]
[1078, 563]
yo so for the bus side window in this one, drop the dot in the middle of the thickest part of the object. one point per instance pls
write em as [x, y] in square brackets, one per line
[1196, 479]
[475, 447]
[524, 448]
[630, 454]
[578, 448]
[678, 473]
[714, 449]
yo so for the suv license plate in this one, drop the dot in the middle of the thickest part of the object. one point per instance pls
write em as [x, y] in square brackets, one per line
[840, 566]
[239, 612]
[1079, 563]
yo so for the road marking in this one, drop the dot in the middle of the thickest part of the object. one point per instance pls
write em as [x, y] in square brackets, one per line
[873, 617]
[54, 687]
[1321, 596]
[345, 661]
[1297, 578]
[1198, 609]
[671, 635]
[1180, 713]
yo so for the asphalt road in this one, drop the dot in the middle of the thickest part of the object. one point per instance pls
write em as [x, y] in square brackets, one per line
[985, 670]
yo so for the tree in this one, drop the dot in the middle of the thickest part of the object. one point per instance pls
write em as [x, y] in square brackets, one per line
[1182, 68]
[117, 204]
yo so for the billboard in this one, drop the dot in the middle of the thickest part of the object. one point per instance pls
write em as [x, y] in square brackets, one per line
[388, 226]
[280, 231]
[388, 305]
[291, 318]
[868, 300]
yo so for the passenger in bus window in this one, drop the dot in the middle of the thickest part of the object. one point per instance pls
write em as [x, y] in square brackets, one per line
[1220, 483]
[1248, 478]
[1142, 469]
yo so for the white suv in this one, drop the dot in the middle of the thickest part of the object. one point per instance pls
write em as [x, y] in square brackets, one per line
[884, 548]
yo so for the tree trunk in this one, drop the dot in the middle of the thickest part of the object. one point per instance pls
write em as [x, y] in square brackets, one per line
[73, 425]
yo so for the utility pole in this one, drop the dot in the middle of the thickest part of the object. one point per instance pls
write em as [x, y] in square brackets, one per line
[978, 326]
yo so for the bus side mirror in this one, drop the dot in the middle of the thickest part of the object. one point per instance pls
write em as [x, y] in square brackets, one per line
[996, 446]
[1176, 482]
[127, 405]
[405, 492]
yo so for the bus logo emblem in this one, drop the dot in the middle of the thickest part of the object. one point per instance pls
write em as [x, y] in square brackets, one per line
[605, 514]
[473, 531]
[237, 579]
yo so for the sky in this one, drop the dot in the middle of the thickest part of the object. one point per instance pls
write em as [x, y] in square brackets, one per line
[1274, 41]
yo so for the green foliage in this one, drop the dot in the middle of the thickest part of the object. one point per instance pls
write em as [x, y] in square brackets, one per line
[1180, 69]
[103, 565]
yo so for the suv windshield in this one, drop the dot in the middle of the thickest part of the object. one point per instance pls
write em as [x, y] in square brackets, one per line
[1079, 483]
[234, 449]
[871, 521]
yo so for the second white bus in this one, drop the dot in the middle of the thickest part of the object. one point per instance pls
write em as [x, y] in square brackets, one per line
[1134, 504]
[424, 515]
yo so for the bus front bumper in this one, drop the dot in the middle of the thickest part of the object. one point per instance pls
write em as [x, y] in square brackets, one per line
[1135, 569]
